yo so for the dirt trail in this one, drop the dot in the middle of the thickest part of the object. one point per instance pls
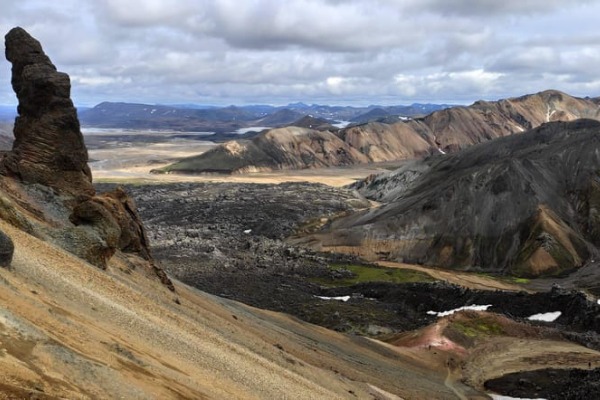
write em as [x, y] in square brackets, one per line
[449, 382]
[469, 280]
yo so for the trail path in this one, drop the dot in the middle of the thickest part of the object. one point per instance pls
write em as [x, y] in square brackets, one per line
[469, 280]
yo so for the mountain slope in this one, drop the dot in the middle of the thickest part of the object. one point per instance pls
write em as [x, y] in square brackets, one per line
[70, 330]
[458, 127]
[442, 131]
[525, 204]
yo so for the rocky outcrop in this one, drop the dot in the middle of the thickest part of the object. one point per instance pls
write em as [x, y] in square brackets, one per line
[444, 131]
[45, 182]
[48, 147]
[525, 205]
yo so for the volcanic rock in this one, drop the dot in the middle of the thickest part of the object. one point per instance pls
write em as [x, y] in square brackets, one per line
[7, 249]
[524, 204]
[115, 215]
[45, 179]
[48, 147]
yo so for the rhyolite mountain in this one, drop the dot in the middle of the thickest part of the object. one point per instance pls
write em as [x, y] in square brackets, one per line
[526, 205]
[442, 131]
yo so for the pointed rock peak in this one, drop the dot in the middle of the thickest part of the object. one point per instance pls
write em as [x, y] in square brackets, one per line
[48, 147]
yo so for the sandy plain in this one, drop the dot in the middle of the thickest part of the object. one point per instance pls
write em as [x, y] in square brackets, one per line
[132, 160]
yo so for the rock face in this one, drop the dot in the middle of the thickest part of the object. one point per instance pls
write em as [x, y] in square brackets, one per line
[527, 205]
[442, 131]
[45, 182]
[48, 147]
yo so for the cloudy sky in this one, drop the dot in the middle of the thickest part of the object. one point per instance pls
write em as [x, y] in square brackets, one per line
[318, 51]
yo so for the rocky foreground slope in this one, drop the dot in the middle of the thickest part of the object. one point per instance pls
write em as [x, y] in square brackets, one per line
[525, 205]
[442, 131]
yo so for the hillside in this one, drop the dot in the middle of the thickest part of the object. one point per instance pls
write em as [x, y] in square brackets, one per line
[524, 205]
[442, 131]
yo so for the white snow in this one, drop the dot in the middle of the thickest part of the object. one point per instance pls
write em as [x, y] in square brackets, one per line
[342, 124]
[153, 111]
[340, 298]
[500, 397]
[247, 231]
[241, 131]
[441, 151]
[450, 312]
[546, 317]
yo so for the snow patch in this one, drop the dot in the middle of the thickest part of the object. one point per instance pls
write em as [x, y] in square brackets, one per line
[340, 298]
[473, 307]
[341, 124]
[441, 151]
[247, 231]
[546, 317]
[241, 131]
[500, 397]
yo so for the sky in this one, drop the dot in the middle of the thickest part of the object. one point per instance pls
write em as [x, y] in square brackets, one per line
[346, 52]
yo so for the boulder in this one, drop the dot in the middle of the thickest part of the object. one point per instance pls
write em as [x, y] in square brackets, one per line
[7, 249]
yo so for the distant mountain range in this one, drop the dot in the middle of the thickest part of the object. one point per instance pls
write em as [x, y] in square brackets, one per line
[231, 118]
[442, 131]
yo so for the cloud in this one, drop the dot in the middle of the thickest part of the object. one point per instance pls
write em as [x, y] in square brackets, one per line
[335, 51]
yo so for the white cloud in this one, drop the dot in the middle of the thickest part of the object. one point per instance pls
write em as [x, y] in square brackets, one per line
[335, 51]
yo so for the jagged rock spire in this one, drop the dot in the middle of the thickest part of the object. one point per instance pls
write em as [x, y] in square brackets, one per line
[48, 147]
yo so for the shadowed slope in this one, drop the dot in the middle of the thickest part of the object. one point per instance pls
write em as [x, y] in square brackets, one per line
[524, 204]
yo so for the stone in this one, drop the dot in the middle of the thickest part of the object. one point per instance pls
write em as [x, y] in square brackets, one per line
[122, 208]
[48, 147]
[7, 249]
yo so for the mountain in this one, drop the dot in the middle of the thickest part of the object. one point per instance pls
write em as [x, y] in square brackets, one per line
[144, 116]
[310, 122]
[299, 148]
[525, 205]
[190, 117]
[442, 131]
[458, 127]
[280, 117]
[371, 115]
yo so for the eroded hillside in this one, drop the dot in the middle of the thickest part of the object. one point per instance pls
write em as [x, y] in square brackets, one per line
[442, 131]
[524, 205]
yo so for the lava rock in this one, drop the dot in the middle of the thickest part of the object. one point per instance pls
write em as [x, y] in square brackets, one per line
[48, 147]
[7, 249]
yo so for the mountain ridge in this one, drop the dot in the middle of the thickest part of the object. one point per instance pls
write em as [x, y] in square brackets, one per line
[523, 205]
[442, 131]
